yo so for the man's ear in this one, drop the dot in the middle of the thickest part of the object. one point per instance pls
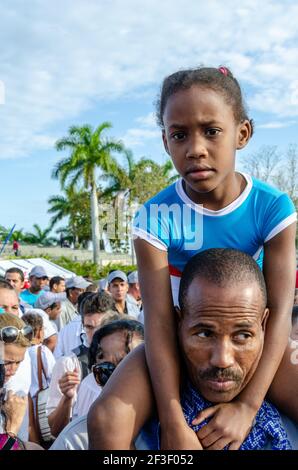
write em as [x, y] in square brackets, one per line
[165, 142]
[244, 134]
[265, 319]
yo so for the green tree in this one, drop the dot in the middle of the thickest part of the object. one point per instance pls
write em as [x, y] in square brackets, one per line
[89, 151]
[39, 236]
[75, 206]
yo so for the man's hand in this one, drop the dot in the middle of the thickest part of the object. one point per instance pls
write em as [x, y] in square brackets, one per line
[179, 438]
[69, 383]
[229, 426]
[14, 408]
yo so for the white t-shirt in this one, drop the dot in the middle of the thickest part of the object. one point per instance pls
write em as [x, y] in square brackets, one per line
[88, 391]
[48, 362]
[70, 337]
[73, 437]
[63, 364]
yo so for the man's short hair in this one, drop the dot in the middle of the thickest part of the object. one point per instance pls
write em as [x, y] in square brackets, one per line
[55, 280]
[97, 303]
[221, 267]
[16, 271]
[130, 326]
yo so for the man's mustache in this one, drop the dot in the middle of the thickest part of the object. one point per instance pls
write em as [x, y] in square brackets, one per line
[216, 373]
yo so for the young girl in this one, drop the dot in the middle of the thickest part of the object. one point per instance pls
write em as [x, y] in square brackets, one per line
[203, 121]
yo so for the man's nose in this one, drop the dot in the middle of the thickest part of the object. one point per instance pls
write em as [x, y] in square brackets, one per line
[222, 354]
[197, 146]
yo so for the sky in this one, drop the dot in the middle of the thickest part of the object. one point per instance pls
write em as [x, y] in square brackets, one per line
[66, 63]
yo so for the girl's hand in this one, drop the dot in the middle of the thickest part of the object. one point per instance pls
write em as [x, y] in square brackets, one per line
[179, 438]
[229, 426]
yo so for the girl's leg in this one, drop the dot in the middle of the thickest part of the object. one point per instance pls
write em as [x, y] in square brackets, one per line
[125, 404]
[284, 388]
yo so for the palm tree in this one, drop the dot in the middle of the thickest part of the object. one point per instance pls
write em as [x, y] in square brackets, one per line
[40, 237]
[89, 151]
[76, 206]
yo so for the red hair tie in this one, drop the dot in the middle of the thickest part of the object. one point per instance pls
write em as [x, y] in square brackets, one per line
[223, 70]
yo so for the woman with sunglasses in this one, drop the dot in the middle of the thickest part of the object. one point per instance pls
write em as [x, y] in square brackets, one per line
[15, 337]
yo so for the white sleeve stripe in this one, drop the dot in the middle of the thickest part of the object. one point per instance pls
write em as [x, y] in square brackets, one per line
[281, 226]
[140, 233]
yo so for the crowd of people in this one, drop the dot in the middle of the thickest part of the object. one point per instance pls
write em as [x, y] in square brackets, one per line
[61, 341]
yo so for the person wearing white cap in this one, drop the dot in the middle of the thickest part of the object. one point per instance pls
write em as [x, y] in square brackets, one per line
[75, 286]
[134, 291]
[118, 287]
[38, 281]
[50, 303]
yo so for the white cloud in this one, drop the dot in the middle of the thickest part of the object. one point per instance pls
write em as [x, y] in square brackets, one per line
[148, 121]
[135, 137]
[276, 124]
[64, 57]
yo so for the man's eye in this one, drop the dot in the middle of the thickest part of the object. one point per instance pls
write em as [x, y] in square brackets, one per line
[204, 334]
[212, 132]
[242, 336]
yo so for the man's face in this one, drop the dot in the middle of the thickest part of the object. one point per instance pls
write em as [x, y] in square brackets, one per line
[13, 356]
[74, 295]
[118, 289]
[15, 281]
[9, 301]
[54, 312]
[91, 323]
[38, 283]
[221, 334]
[113, 347]
[58, 288]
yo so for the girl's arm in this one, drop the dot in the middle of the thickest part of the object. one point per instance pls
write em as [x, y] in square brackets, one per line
[231, 422]
[283, 389]
[161, 346]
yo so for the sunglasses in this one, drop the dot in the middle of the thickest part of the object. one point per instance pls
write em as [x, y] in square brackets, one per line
[10, 334]
[102, 372]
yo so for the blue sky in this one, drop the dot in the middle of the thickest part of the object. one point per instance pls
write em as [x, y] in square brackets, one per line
[85, 61]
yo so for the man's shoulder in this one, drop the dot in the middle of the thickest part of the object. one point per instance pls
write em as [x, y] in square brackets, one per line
[74, 436]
